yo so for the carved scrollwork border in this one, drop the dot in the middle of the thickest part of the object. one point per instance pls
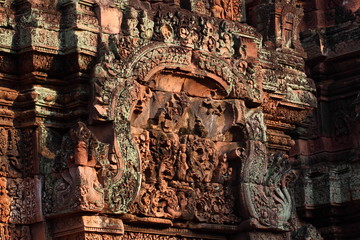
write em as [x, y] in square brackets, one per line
[114, 83]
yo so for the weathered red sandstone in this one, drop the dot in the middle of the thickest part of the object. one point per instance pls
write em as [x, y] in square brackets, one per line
[179, 119]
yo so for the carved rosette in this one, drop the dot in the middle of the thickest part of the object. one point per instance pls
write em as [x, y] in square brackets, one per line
[124, 186]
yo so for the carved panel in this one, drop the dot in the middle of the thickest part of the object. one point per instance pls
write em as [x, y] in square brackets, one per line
[11, 160]
[185, 174]
[14, 232]
[25, 199]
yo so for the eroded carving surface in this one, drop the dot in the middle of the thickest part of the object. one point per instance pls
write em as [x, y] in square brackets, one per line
[170, 113]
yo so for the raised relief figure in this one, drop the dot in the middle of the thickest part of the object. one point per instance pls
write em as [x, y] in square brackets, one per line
[146, 26]
[5, 202]
[78, 186]
[288, 16]
[227, 9]
[217, 9]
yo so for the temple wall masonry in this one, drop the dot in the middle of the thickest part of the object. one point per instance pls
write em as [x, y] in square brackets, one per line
[179, 119]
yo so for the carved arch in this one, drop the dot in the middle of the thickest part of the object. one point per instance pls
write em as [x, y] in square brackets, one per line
[200, 63]
[115, 86]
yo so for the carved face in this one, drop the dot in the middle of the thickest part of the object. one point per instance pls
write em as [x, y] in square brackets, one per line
[133, 13]
[227, 38]
[184, 32]
[217, 2]
[167, 33]
[144, 95]
[209, 28]
[12, 188]
[224, 158]
[211, 44]
[183, 147]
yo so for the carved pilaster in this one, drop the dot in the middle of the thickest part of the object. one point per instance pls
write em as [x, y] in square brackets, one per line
[7, 97]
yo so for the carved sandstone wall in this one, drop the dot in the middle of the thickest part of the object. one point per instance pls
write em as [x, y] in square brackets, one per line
[326, 151]
[150, 119]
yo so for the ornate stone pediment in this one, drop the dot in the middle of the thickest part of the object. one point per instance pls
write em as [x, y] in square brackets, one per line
[174, 114]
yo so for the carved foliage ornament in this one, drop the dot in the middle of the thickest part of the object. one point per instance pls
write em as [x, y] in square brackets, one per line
[267, 201]
[11, 163]
[270, 204]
